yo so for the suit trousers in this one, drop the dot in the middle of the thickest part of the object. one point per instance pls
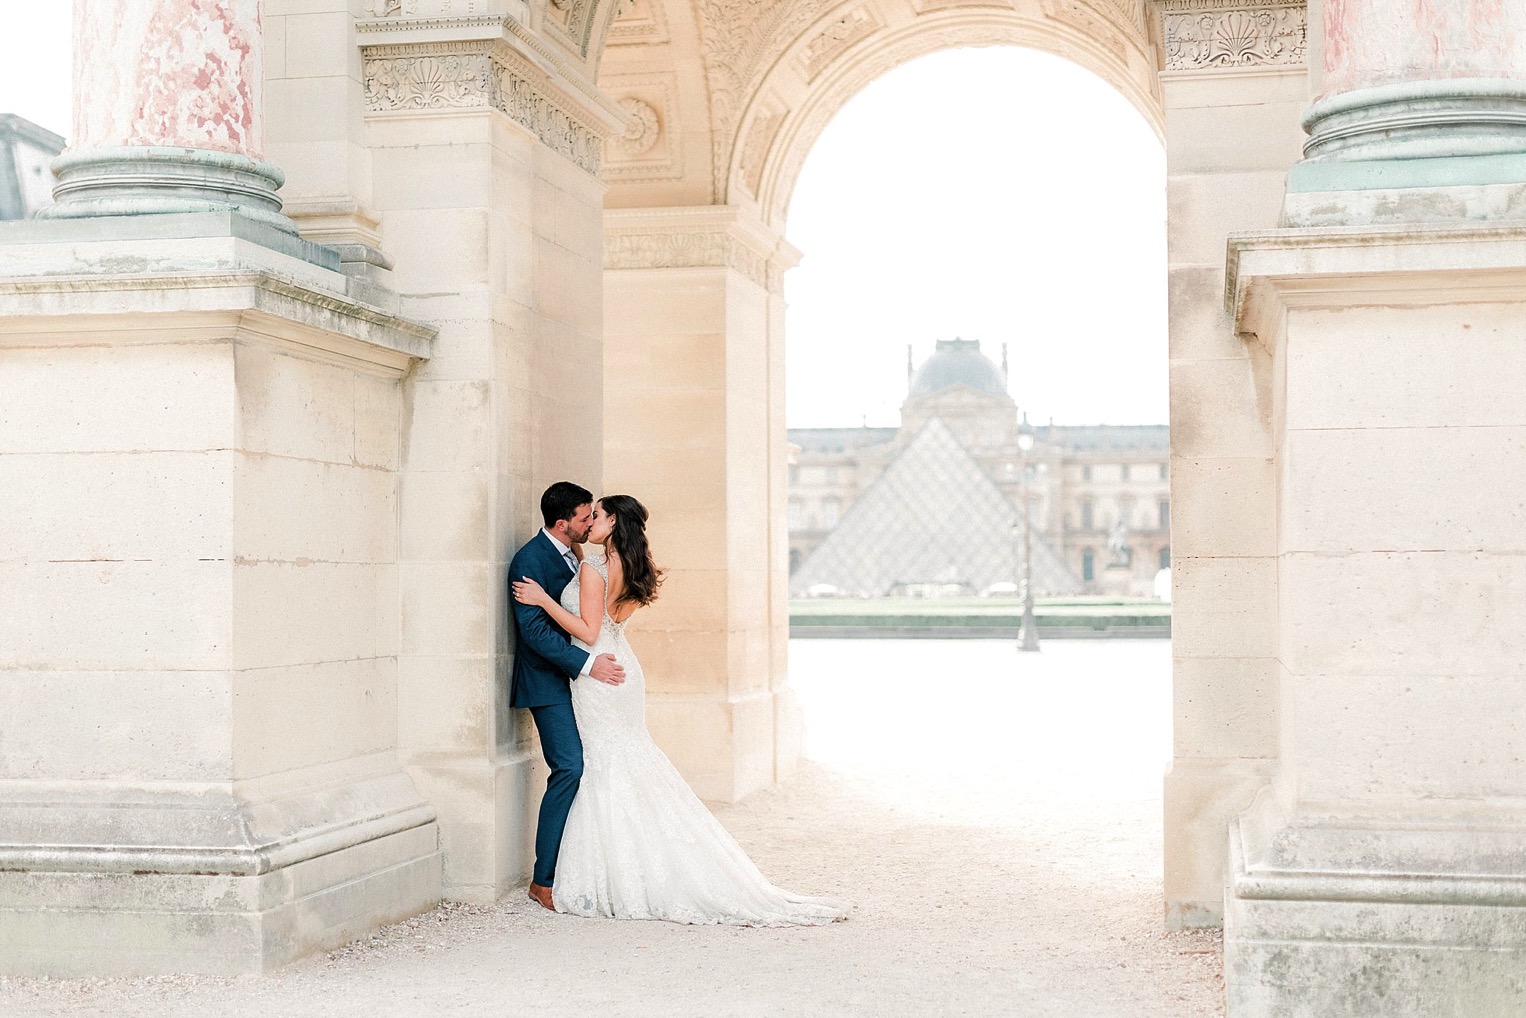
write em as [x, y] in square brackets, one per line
[563, 749]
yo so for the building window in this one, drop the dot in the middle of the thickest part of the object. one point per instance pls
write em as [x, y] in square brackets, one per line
[1165, 514]
[1088, 565]
[796, 515]
[794, 560]
[831, 475]
[1165, 471]
[1123, 471]
[1165, 557]
[794, 474]
[1086, 514]
[830, 509]
[1086, 472]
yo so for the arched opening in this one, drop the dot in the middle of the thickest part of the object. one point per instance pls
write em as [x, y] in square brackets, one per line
[933, 206]
[695, 332]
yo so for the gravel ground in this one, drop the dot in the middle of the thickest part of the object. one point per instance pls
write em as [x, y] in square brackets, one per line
[994, 817]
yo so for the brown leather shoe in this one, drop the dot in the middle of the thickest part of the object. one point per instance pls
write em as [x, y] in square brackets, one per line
[541, 896]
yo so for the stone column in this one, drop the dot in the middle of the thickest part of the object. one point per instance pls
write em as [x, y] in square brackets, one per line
[175, 126]
[1383, 869]
[694, 424]
[1417, 94]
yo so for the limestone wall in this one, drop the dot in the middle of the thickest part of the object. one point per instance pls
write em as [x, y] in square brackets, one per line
[1231, 134]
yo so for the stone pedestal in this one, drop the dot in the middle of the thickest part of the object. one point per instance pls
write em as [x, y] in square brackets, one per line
[1424, 106]
[1384, 869]
[198, 641]
[200, 436]
[694, 426]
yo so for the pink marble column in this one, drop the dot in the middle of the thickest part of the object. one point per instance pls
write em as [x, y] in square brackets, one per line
[167, 116]
[1412, 79]
[1379, 42]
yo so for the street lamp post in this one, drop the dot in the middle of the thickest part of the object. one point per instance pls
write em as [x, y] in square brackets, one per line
[1029, 638]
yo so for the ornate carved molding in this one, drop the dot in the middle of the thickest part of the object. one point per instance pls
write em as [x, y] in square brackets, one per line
[742, 40]
[1210, 34]
[638, 22]
[684, 251]
[700, 237]
[573, 20]
[760, 138]
[477, 75]
[836, 37]
[641, 130]
[649, 146]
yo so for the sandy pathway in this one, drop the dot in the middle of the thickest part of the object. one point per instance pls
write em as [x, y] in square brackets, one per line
[994, 817]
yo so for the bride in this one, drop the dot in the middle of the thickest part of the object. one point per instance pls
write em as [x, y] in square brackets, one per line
[639, 844]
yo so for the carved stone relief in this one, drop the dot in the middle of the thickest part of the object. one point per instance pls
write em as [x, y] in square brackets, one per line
[742, 40]
[833, 40]
[476, 75]
[1207, 34]
[641, 130]
[760, 138]
[638, 22]
[682, 250]
[572, 22]
[746, 40]
[428, 8]
[1097, 21]
[648, 149]
[929, 6]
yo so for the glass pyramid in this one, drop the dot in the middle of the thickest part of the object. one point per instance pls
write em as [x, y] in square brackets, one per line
[932, 517]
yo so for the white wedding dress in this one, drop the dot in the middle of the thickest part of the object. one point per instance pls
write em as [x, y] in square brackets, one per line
[639, 844]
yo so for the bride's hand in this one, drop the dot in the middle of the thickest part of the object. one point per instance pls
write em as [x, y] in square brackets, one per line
[527, 591]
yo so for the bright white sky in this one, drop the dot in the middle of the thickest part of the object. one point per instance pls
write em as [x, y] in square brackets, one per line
[35, 62]
[996, 194]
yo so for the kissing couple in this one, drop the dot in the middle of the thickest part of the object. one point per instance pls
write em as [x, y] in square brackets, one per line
[620, 833]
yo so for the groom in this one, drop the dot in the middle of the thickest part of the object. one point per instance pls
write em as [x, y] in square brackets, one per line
[545, 660]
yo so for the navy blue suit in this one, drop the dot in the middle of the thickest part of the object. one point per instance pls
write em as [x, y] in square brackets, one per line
[545, 661]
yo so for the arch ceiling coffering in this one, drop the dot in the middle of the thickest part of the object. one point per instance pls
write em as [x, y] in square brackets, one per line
[726, 97]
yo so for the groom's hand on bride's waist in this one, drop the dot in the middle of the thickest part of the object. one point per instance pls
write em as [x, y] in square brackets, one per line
[606, 669]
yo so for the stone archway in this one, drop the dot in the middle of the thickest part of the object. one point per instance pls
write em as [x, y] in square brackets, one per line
[695, 250]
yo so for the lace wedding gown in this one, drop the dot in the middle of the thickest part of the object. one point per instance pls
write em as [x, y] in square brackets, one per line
[639, 844]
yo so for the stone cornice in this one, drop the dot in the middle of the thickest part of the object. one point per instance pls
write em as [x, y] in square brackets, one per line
[1212, 35]
[509, 71]
[1397, 265]
[700, 237]
[255, 306]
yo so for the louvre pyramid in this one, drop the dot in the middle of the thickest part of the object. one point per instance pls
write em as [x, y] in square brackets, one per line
[932, 516]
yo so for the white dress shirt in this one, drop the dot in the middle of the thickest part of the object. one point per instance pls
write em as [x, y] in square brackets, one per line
[572, 562]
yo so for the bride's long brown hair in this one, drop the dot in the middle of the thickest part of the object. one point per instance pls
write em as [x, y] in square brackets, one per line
[628, 539]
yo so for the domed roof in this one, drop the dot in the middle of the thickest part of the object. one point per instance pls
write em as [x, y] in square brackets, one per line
[958, 362]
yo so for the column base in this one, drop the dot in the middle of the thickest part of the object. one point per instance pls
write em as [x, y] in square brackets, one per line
[134, 883]
[1340, 201]
[488, 811]
[1330, 919]
[1202, 796]
[1420, 151]
[150, 180]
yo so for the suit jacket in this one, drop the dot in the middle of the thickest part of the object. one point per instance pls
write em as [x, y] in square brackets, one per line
[544, 659]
